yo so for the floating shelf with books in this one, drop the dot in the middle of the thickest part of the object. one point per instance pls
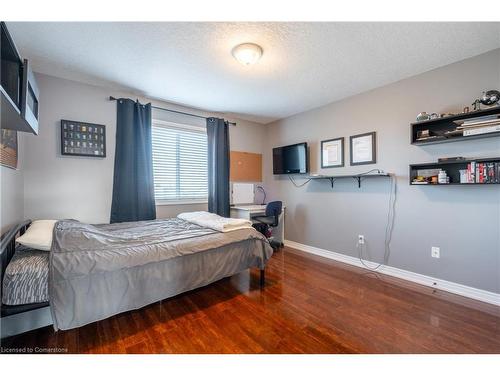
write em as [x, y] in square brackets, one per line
[460, 171]
[464, 126]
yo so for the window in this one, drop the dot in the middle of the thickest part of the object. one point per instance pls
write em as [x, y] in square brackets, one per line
[179, 163]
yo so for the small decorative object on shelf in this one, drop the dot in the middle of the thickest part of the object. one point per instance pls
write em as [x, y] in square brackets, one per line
[421, 134]
[464, 177]
[490, 97]
[423, 116]
[426, 176]
[424, 135]
[443, 177]
[476, 106]
[83, 139]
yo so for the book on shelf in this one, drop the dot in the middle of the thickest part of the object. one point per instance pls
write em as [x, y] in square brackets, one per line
[453, 133]
[483, 173]
[482, 130]
[480, 125]
[479, 121]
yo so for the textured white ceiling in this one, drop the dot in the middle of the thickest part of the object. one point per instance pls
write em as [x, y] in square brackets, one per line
[305, 65]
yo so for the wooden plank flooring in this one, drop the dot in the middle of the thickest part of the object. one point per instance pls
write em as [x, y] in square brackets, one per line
[309, 305]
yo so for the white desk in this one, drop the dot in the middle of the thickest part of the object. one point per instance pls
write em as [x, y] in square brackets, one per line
[249, 211]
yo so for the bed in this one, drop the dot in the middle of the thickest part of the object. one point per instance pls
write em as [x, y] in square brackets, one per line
[26, 278]
[95, 271]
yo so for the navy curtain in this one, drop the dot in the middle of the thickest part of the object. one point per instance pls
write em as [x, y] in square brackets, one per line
[133, 188]
[218, 166]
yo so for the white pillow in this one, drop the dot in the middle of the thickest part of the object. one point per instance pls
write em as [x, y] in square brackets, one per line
[39, 235]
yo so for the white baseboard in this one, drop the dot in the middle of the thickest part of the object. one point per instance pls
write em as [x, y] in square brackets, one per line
[448, 286]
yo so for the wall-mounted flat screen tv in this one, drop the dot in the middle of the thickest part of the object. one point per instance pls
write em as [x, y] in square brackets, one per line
[291, 159]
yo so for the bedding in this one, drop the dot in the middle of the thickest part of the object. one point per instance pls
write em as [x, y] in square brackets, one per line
[97, 271]
[38, 235]
[216, 222]
[26, 277]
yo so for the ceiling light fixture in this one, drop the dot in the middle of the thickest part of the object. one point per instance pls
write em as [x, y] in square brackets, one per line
[247, 53]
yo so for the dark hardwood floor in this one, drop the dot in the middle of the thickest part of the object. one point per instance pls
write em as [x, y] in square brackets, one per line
[309, 305]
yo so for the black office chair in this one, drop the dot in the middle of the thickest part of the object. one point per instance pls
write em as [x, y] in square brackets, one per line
[270, 219]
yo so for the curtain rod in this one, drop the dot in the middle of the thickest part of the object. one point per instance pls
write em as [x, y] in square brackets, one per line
[179, 112]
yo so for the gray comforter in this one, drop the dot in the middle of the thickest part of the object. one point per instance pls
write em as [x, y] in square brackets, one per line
[97, 271]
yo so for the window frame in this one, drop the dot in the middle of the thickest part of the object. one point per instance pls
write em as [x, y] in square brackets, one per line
[194, 128]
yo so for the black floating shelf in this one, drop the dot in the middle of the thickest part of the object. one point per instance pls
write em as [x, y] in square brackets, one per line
[452, 168]
[357, 177]
[440, 125]
[457, 184]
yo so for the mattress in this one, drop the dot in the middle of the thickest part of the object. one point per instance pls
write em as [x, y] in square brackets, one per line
[97, 271]
[26, 277]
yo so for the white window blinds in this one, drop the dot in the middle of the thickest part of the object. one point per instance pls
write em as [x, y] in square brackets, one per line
[179, 162]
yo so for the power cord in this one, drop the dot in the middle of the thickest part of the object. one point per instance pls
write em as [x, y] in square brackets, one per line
[391, 214]
[295, 184]
[379, 171]
[360, 256]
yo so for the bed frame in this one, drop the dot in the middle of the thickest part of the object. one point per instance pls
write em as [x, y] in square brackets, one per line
[23, 318]
[20, 318]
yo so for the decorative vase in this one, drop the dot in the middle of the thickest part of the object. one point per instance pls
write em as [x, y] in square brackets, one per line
[422, 116]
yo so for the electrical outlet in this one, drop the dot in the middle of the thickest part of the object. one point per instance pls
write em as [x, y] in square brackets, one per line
[361, 239]
[435, 252]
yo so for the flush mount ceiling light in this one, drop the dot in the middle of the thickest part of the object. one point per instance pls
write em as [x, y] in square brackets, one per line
[247, 53]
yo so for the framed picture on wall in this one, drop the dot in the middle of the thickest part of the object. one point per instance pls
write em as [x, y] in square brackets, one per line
[83, 139]
[332, 153]
[8, 148]
[363, 148]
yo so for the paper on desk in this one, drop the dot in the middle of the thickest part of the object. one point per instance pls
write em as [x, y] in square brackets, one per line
[243, 193]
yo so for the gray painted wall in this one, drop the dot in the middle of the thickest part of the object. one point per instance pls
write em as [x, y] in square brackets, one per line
[463, 221]
[11, 191]
[57, 186]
